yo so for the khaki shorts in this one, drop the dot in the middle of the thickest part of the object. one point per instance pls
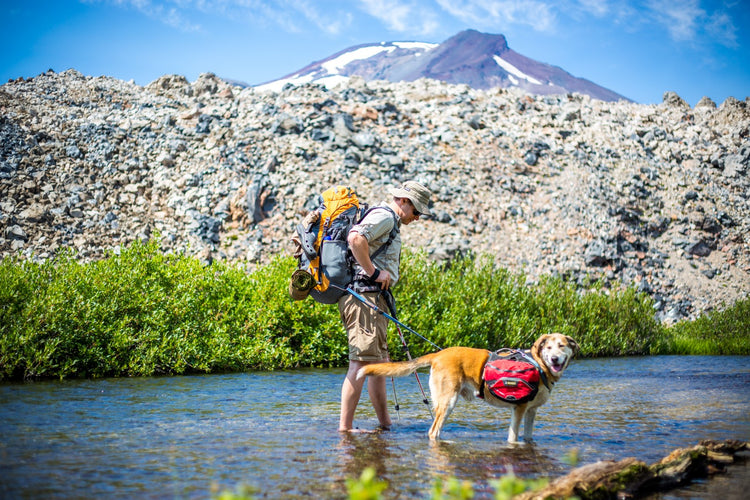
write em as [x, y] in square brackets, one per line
[367, 329]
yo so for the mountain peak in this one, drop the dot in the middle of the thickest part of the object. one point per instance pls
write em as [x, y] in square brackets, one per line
[482, 41]
[480, 60]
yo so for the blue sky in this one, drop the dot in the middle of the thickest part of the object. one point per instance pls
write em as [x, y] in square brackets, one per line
[639, 49]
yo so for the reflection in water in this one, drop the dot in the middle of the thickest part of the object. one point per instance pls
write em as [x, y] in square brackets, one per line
[361, 450]
[462, 461]
[181, 437]
[358, 451]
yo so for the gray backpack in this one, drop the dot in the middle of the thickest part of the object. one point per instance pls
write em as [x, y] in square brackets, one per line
[323, 252]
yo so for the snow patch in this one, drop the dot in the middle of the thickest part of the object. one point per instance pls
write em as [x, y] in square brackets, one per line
[332, 81]
[415, 45]
[335, 65]
[277, 85]
[515, 71]
[329, 82]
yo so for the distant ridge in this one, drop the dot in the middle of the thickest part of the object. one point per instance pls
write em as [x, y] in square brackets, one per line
[480, 60]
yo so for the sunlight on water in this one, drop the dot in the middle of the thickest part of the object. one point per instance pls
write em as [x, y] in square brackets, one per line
[184, 437]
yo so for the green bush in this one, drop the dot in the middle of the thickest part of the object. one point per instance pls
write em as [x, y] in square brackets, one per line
[722, 331]
[473, 303]
[144, 312]
[369, 487]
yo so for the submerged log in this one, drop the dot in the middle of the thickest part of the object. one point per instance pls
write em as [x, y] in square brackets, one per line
[630, 478]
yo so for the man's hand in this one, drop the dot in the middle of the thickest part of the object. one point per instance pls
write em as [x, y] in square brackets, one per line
[384, 278]
[361, 252]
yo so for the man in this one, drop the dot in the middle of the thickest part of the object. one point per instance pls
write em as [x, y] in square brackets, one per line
[376, 245]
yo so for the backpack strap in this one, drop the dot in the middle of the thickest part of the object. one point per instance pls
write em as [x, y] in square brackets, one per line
[364, 281]
[493, 356]
[529, 358]
[391, 236]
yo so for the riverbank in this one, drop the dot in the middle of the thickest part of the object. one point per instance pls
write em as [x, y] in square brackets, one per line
[676, 475]
[143, 312]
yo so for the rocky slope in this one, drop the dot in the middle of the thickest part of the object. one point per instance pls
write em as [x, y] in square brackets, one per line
[654, 196]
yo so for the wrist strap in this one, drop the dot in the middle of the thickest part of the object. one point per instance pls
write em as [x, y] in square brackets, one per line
[375, 275]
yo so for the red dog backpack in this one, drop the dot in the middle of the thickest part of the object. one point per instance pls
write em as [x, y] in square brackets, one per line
[511, 377]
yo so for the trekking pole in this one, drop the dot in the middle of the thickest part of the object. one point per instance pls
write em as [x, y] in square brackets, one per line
[395, 398]
[408, 356]
[378, 310]
[362, 299]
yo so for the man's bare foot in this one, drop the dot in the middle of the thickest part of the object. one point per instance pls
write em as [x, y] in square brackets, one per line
[357, 430]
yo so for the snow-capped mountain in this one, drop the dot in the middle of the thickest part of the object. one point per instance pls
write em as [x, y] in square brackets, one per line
[480, 60]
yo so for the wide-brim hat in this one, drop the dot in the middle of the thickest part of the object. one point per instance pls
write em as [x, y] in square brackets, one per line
[301, 284]
[416, 193]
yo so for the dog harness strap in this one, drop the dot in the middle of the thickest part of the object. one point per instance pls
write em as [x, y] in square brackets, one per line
[493, 356]
[517, 356]
[543, 375]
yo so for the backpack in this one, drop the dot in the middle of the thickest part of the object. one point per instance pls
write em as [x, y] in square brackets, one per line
[323, 251]
[512, 376]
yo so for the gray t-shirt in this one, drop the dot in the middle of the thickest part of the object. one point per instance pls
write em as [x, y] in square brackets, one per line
[376, 228]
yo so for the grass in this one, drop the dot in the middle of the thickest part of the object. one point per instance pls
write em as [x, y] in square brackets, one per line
[144, 312]
[723, 331]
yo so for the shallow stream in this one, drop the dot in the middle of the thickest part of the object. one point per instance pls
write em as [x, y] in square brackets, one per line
[191, 437]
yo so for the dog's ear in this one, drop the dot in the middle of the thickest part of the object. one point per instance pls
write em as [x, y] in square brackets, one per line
[573, 344]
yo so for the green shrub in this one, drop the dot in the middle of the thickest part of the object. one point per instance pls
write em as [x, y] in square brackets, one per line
[367, 486]
[451, 489]
[473, 303]
[723, 331]
[144, 312]
[509, 486]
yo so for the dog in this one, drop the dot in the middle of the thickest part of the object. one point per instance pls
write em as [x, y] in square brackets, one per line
[458, 371]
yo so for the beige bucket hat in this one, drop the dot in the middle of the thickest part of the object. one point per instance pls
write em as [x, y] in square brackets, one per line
[417, 193]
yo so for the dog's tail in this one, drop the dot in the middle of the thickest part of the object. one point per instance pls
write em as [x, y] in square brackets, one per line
[396, 369]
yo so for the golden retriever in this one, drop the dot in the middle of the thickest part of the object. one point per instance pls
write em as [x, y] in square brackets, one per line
[458, 371]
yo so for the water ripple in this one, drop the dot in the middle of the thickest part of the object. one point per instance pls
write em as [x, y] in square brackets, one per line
[186, 437]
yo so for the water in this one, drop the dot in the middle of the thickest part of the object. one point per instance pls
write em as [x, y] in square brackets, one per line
[191, 437]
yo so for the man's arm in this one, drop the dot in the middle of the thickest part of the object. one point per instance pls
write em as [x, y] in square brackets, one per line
[361, 252]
